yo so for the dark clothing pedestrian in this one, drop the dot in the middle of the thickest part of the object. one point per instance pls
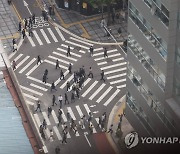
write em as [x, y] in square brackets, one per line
[72, 98]
[30, 22]
[19, 27]
[68, 86]
[57, 150]
[91, 51]
[38, 59]
[33, 18]
[90, 72]
[14, 64]
[54, 100]
[44, 124]
[23, 33]
[41, 130]
[66, 98]
[46, 72]
[99, 122]
[68, 51]
[70, 68]
[102, 76]
[61, 75]
[30, 32]
[38, 105]
[14, 47]
[77, 92]
[59, 119]
[57, 64]
[9, 2]
[110, 129]
[44, 78]
[49, 111]
[105, 53]
[25, 23]
[53, 87]
[60, 99]
[119, 31]
[60, 112]
[50, 10]
[68, 116]
[13, 41]
[64, 137]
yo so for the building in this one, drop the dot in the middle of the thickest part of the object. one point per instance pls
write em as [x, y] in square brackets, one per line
[153, 55]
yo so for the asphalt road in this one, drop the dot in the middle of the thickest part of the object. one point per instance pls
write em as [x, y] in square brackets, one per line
[96, 96]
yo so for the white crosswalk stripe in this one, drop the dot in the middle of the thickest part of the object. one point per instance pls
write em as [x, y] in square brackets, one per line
[60, 34]
[37, 37]
[55, 117]
[75, 44]
[71, 113]
[61, 60]
[116, 76]
[57, 133]
[29, 64]
[29, 102]
[118, 59]
[66, 46]
[118, 81]
[101, 53]
[102, 63]
[39, 81]
[30, 40]
[89, 89]
[104, 94]
[45, 36]
[64, 84]
[53, 63]
[79, 111]
[59, 54]
[32, 70]
[63, 116]
[31, 90]
[121, 86]
[36, 117]
[98, 49]
[23, 61]
[52, 34]
[18, 57]
[58, 80]
[112, 97]
[111, 66]
[97, 91]
[87, 81]
[30, 96]
[46, 118]
[81, 41]
[72, 53]
[116, 70]
[38, 87]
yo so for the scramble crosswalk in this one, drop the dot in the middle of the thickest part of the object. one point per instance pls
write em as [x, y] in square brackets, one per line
[114, 66]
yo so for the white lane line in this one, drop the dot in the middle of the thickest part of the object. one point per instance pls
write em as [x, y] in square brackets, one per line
[50, 62]
[33, 69]
[109, 56]
[61, 60]
[30, 40]
[104, 94]
[97, 91]
[89, 89]
[81, 51]
[116, 76]
[25, 67]
[52, 34]
[60, 34]
[69, 79]
[116, 70]
[47, 132]
[79, 111]
[57, 133]
[39, 81]
[112, 97]
[71, 113]
[19, 56]
[45, 36]
[29, 102]
[102, 63]
[37, 37]
[29, 96]
[101, 53]
[63, 116]
[38, 87]
[85, 135]
[45, 149]
[59, 54]
[31, 90]
[118, 59]
[97, 49]
[46, 118]
[82, 46]
[118, 81]
[20, 63]
[111, 66]
[36, 117]
[66, 46]
[75, 39]
[55, 117]
[87, 81]
[72, 53]
[121, 86]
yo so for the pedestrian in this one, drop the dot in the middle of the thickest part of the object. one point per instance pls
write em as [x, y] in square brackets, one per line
[46, 72]
[38, 106]
[41, 130]
[33, 18]
[75, 78]
[120, 117]
[19, 27]
[44, 14]
[9, 2]
[73, 126]
[49, 111]
[53, 87]
[57, 64]
[113, 17]
[68, 51]
[99, 122]
[91, 50]
[118, 17]
[14, 65]
[90, 117]
[14, 47]
[66, 98]
[102, 76]
[65, 127]
[81, 123]
[103, 118]
[25, 23]
[13, 41]
[91, 128]
[51, 137]
[23, 33]
[70, 68]
[30, 32]
[68, 86]
[110, 129]
[57, 150]
[83, 71]
[62, 75]
[50, 10]
[38, 59]
[54, 100]
[72, 98]
[64, 137]
[119, 126]
[59, 119]
[60, 99]
[44, 78]
[105, 52]
[77, 93]
[109, 34]
[30, 23]
[90, 72]
[119, 31]
[44, 124]
[68, 116]
[60, 112]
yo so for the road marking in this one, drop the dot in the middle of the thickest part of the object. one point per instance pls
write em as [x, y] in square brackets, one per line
[69, 79]
[29, 102]
[71, 113]
[19, 56]
[57, 133]
[109, 56]
[52, 34]
[97, 120]
[32, 91]
[60, 34]
[121, 86]
[36, 117]
[118, 81]
[112, 97]
[46, 118]
[58, 80]
[82, 46]
[116, 70]
[45, 36]
[87, 81]
[104, 94]
[45, 149]
[66, 46]
[115, 65]
[25, 67]
[82, 51]
[38, 87]
[86, 133]
[75, 39]
[61, 60]
[102, 63]
[79, 111]
[59, 54]
[50, 62]
[63, 116]
[116, 76]
[55, 117]
[30, 40]
[20, 63]
[101, 53]
[97, 91]
[39, 81]
[97, 49]
[29, 96]
[72, 53]
[89, 89]
[33, 69]
[37, 37]
[118, 59]
[47, 132]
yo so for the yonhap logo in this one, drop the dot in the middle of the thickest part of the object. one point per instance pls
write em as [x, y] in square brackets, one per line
[131, 140]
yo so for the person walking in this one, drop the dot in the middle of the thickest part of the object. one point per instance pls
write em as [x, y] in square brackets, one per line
[62, 75]
[70, 68]
[90, 128]
[14, 47]
[30, 32]
[53, 87]
[19, 27]
[57, 64]
[77, 92]
[46, 72]
[25, 23]
[103, 118]
[59, 120]
[68, 116]
[57, 150]
[14, 65]
[51, 137]
[13, 41]
[91, 50]
[64, 137]
[119, 31]
[49, 111]
[110, 129]
[38, 106]
[44, 78]
[60, 112]
[66, 98]
[60, 99]
[68, 51]
[33, 18]
[72, 98]
[102, 76]
[54, 100]
[90, 117]
[44, 124]
[99, 122]
[30, 23]
[68, 86]
[41, 130]
[105, 52]
[90, 72]
[23, 33]
[38, 59]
